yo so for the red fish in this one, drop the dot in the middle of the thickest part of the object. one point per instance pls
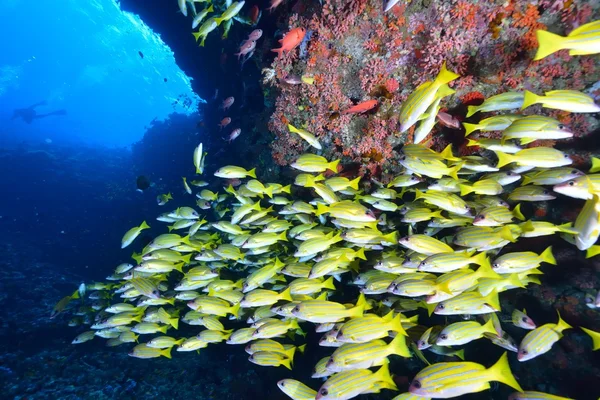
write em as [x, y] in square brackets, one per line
[227, 103]
[247, 47]
[291, 40]
[254, 15]
[224, 122]
[234, 135]
[274, 5]
[361, 107]
[255, 35]
[448, 120]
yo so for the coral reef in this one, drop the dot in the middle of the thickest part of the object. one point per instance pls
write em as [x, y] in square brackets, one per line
[357, 53]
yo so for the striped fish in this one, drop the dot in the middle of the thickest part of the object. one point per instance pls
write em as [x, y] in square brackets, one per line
[582, 187]
[446, 201]
[241, 336]
[468, 303]
[495, 123]
[366, 355]
[494, 145]
[531, 193]
[431, 168]
[320, 311]
[424, 244]
[534, 127]
[553, 176]
[348, 384]
[541, 339]
[522, 261]
[192, 344]
[453, 379]
[587, 225]
[499, 102]
[370, 327]
[275, 329]
[164, 342]
[581, 41]
[488, 187]
[144, 351]
[522, 320]
[146, 286]
[541, 157]
[531, 395]
[565, 100]
[497, 216]
[464, 332]
[484, 238]
[320, 370]
[296, 390]
[268, 359]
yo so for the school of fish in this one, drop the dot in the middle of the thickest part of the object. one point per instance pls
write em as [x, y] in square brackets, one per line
[276, 257]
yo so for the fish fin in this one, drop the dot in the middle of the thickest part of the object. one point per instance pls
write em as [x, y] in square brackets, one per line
[493, 300]
[472, 110]
[430, 308]
[514, 280]
[567, 228]
[501, 372]
[437, 214]
[418, 194]
[321, 209]
[561, 325]
[527, 180]
[75, 295]
[445, 76]
[383, 375]
[453, 172]
[595, 165]
[525, 141]
[470, 128]
[144, 225]
[548, 43]
[480, 259]
[290, 353]
[174, 322]
[485, 271]
[444, 91]
[398, 346]
[391, 237]
[287, 363]
[252, 173]
[471, 143]
[287, 189]
[269, 191]
[529, 99]
[517, 212]
[592, 251]
[292, 128]
[595, 337]
[547, 256]
[489, 327]
[166, 352]
[465, 190]
[354, 183]
[286, 295]
[235, 310]
[447, 153]
[283, 236]
[503, 159]
[396, 325]
[527, 226]
[360, 253]
[332, 166]
[328, 284]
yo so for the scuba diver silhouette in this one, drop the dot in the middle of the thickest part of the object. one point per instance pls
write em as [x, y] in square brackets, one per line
[29, 114]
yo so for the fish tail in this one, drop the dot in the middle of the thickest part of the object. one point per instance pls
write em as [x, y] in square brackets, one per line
[301, 348]
[166, 352]
[354, 183]
[179, 267]
[529, 99]
[252, 173]
[485, 271]
[321, 209]
[328, 284]
[548, 43]
[471, 143]
[218, 21]
[227, 334]
[465, 190]
[287, 363]
[595, 165]
[210, 9]
[595, 337]
[292, 128]
[592, 251]
[235, 310]
[396, 325]
[418, 194]
[453, 172]
[398, 346]
[567, 228]
[360, 253]
[527, 180]
[269, 191]
[460, 354]
[480, 259]
[287, 189]
[75, 295]
[561, 325]
[383, 375]
[333, 166]
[527, 227]
[472, 110]
[290, 353]
[430, 308]
[391, 237]
[501, 372]
[286, 295]
[517, 212]
[445, 76]
[547, 256]
[470, 128]
[283, 236]
[186, 259]
[493, 300]
[144, 225]
[168, 196]
[489, 327]
[514, 280]
[503, 159]
[174, 322]
[447, 153]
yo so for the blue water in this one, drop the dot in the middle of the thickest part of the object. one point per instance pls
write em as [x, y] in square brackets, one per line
[84, 57]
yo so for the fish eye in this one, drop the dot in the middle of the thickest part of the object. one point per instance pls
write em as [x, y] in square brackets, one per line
[324, 392]
[443, 336]
[440, 306]
[524, 352]
[575, 172]
[545, 192]
[561, 126]
[524, 319]
[571, 183]
[282, 383]
[495, 265]
[416, 384]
